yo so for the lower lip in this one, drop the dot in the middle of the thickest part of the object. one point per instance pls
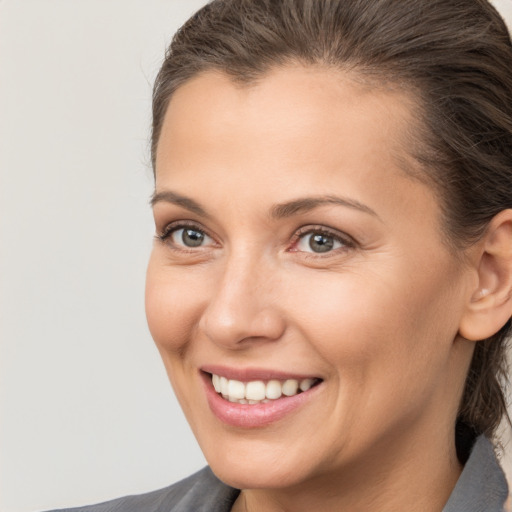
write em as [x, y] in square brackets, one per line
[257, 415]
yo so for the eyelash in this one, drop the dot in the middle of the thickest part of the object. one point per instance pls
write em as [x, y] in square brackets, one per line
[346, 241]
[176, 226]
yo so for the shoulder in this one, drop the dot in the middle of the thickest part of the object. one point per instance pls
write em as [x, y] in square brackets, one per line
[482, 485]
[201, 492]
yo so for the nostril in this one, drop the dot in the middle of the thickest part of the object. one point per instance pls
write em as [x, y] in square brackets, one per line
[235, 326]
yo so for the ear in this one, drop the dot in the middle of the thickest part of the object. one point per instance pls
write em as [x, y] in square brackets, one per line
[490, 305]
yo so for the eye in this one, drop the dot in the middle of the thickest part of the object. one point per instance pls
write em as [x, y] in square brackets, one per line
[186, 236]
[319, 241]
[189, 237]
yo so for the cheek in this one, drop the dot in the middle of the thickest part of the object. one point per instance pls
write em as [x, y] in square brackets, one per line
[376, 323]
[387, 349]
[172, 312]
[170, 307]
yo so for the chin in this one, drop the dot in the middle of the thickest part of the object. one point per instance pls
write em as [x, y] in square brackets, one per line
[248, 474]
[247, 462]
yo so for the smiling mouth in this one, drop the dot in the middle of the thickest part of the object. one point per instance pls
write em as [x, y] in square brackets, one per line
[260, 391]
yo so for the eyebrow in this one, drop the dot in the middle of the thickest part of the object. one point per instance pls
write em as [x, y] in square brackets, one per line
[189, 204]
[306, 204]
[278, 211]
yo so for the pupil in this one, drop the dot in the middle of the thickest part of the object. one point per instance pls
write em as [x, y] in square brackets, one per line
[192, 238]
[321, 243]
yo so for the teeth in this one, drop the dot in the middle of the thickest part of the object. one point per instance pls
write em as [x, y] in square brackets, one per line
[257, 391]
[236, 389]
[306, 384]
[274, 389]
[290, 387]
[223, 382]
[216, 383]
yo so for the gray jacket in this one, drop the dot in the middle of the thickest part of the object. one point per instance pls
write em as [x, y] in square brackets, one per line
[481, 488]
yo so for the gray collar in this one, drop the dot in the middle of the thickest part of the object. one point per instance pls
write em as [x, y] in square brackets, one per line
[208, 494]
[482, 486]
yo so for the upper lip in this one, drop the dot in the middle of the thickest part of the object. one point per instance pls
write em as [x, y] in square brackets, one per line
[250, 374]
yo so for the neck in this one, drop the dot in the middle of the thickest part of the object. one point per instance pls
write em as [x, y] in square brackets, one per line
[414, 477]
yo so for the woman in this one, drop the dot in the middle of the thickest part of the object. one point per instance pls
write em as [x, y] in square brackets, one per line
[331, 282]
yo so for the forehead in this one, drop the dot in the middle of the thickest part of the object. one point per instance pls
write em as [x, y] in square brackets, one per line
[326, 106]
[304, 128]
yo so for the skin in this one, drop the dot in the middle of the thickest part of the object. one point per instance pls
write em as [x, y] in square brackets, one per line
[377, 318]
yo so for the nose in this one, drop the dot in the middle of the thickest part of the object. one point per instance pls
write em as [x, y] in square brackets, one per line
[243, 306]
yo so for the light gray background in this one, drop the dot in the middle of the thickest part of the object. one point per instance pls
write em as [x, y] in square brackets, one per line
[86, 410]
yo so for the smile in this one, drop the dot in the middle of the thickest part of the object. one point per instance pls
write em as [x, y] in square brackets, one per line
[256, 398]
[258, 391]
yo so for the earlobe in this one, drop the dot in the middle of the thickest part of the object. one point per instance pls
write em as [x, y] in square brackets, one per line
[490, 305]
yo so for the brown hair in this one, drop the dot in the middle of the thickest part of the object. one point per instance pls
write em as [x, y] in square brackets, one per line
[456, 58]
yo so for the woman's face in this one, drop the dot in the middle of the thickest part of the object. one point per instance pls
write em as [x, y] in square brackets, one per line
[294, 249]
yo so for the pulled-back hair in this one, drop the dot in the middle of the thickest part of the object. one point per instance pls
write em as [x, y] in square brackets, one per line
[454, 56]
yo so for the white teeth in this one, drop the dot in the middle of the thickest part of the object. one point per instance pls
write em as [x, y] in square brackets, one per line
[273, 390]
[223, 382]
[216, 383]
[257, 391]
[236, 389]
[290, 387]
[306, 384]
